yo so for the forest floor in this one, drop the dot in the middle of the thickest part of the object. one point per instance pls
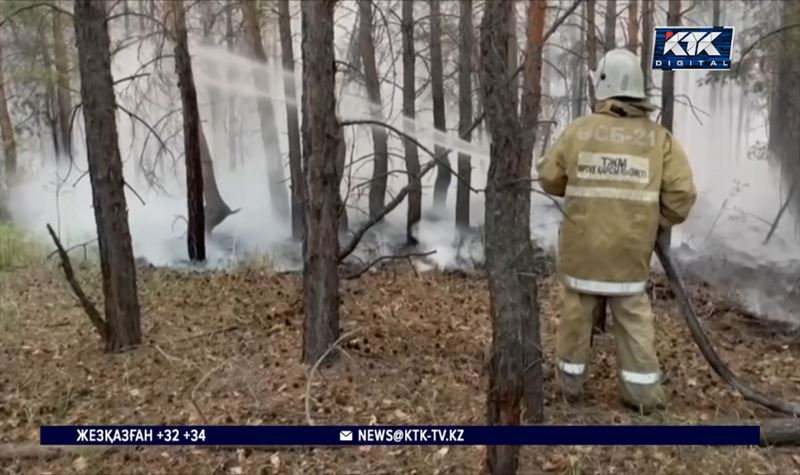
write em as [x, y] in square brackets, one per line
[224, 347]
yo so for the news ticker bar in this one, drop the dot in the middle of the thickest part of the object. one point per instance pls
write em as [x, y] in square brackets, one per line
[399, 435]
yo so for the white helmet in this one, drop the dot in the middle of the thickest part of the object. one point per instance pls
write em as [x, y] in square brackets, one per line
[618, 74]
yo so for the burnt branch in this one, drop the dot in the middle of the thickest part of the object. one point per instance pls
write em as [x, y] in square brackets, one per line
[91, 311]
[387, 258]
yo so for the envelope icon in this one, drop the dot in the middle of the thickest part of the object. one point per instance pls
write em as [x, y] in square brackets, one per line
[346, 435]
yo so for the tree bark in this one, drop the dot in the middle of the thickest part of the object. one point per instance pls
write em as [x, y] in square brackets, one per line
[442, 182]
[610, 41]
[62, 80]
[668, 82]
[380, 170]
[414, 213]
[533, 376]
[591, 45]
[7, 129]
[105, 173]
[195, 235]
[633, 25]
[295, 153]
[647, 42]
[466, 33]
[509, 252]
[513, 55]
[266, 112]
[320, 270]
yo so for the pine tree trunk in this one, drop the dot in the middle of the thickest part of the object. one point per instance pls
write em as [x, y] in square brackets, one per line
[414, 213]
[195, 236]
[610, 41]
[295, 154]
[7, 128]
[591, 45]
[321, 259]
[648, 8]
[465, 110]
[266, 112]
[513, 55]
[442, 183]
[533, 377]
[122, 311]
[668, 91]
[377, 187]
[508, 247]
[51, 98]
[633, 25]
[63, 91]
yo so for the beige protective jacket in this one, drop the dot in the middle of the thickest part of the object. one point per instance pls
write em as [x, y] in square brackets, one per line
[621, 175]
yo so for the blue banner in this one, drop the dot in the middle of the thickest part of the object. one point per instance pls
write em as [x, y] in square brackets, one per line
[399, 435]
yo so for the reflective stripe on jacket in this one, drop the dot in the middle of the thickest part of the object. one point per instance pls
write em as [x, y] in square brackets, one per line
[621, 175]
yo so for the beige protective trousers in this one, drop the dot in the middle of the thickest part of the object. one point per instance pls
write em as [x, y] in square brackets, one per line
[634, 334]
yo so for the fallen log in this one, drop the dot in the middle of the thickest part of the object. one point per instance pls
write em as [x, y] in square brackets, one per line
[707, 349]
[780, 432]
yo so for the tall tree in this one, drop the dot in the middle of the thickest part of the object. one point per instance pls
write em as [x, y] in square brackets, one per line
[591, 45]
[633, 25]
[321, 253]
[465, 46]
[51, 98]
[380, 169]
[668, 91]
[414, 213]
[784, 115]
[6, 126]
[533, 379]
[293, 122]
[610, 41]
[195, 236]
[266, 112]
[64, 108]
[105, 173]
[648, 9]
[509, 252]
[442, 182]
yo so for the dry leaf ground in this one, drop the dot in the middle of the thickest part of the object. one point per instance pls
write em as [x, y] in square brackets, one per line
[417, 359]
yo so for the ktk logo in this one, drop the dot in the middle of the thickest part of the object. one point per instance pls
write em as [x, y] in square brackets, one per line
[696, 42]
[692, 48]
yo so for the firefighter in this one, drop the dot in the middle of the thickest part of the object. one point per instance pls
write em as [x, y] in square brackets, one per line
[622, 177]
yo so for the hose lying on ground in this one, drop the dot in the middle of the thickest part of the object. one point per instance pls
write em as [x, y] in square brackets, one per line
[789, 428]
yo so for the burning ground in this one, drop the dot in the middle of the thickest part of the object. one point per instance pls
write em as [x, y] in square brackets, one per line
[224, 348]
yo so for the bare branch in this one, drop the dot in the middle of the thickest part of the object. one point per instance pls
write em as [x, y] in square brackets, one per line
[385, 258]
[91, 311]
